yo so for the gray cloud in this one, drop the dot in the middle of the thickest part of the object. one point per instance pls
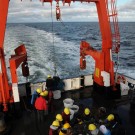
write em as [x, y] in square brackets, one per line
[128, 7]
[127, 11]
[28, 11]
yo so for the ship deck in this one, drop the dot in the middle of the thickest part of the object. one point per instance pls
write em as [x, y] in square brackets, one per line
[27, 123]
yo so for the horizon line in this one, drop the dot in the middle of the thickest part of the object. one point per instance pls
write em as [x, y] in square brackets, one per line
[72, 22]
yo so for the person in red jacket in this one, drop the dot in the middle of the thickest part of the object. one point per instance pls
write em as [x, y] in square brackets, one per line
[41, 107]
[66, 115]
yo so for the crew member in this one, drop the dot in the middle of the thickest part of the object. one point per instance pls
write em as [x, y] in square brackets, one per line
[41, 107]
[46, 97]
[87, 116]
[66, 129]
[35, 95]
[110, 121]
[54, 128]
[49, 83]
[101, 116]
[45, 93]
[92, 130]
[78, 126]
[59, 119]
[76, 120]
[66, 115]
[113, 123]
[50, 88]
[50, 101]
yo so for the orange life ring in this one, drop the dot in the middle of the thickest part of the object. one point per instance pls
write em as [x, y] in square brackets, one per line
[121, 79]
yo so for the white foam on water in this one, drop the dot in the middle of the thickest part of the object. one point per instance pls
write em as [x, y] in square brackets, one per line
[39, 45]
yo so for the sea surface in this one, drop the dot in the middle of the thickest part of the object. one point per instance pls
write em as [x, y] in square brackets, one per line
[56, 46]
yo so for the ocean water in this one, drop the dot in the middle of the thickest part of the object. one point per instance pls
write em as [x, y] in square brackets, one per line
[59, 48]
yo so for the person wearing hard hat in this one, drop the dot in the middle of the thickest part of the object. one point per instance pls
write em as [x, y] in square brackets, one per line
[50, 88]
[78, 125]
[49, 83]
[41, 107]
[78, 119]
[35, 95]
[101, 115]
[66, 115]
[54, 128]
[51, 102]
[87, 111]
[109, 121]
[113, 123]
[66, 129]
[45, 93]
[104, 130]
[60, 119]
[45, 96]
[110, 117]
[49, 98]
[87, 116]
[92, 130]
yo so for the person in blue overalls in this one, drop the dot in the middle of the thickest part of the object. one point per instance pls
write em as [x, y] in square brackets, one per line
[35, 95]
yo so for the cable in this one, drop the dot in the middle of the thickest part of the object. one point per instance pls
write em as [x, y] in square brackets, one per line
[117, 63]
[117, 66]
[61, 21]
[55, 71]
[116, 2]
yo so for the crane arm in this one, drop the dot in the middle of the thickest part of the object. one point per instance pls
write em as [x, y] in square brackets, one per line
[4, 86]
[15, 60]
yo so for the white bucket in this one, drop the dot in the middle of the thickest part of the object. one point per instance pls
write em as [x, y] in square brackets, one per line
[57, 94]
[124, 89]
[71, 114]
[75, 108]
[68, 102]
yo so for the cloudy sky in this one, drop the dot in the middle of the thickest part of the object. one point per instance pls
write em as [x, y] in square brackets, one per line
[27, 11]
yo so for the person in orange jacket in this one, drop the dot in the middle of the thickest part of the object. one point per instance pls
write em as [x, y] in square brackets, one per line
[66, 115]
[41, 107]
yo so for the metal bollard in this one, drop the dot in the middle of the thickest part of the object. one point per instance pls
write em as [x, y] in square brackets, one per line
[2, 122]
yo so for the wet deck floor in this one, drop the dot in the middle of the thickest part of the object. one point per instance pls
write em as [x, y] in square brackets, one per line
[28, 125]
